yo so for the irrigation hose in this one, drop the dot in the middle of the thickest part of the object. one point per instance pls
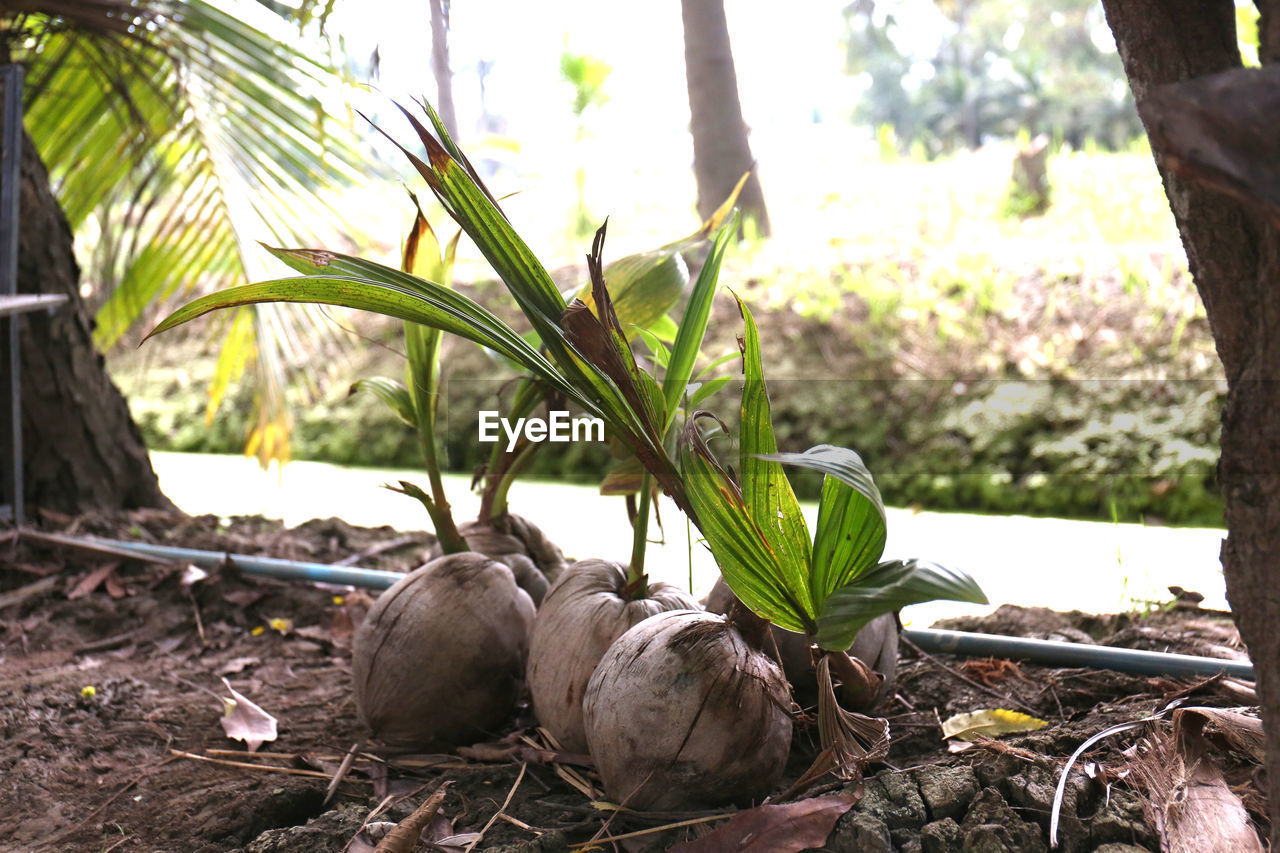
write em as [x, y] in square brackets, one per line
[1048, 652]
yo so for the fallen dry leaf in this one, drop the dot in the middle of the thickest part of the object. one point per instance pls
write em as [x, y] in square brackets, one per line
[785, 828]
[243, 720]
[92, 581]
[990, 722]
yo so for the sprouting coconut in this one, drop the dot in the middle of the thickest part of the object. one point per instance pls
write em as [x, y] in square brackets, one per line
[828, 587]
[587, 609]
[685, 711]
[534, 559]
[438, 661]
[876, 645]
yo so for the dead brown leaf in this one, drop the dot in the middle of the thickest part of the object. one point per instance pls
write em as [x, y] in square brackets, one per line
[93, 580]
[785, 828]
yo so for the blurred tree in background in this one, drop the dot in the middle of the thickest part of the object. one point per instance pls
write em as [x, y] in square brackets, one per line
[957, 73]
[721, 152]
[175, 134]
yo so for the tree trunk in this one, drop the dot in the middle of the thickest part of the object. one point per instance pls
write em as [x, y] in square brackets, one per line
[721, 153]
[1234, 256]
[81, 448]
[440, 65]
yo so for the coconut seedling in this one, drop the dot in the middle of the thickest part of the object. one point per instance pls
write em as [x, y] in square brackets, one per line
[826, 588]
[582, 355]
[643, 287]
[532, 557]
[596, 601]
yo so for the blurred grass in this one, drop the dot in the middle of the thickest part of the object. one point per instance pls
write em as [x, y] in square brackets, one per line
[879, 275]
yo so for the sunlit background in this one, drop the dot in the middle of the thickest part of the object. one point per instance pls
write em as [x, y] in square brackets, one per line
[884, 134]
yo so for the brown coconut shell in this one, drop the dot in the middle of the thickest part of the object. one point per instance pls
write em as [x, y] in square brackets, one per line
[534, 559]
[682, 713]
[876, 645]
[439, 659]
[581, 616]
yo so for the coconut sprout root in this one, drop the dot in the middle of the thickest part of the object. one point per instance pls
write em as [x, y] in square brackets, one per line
[439, 659]
[682, 712]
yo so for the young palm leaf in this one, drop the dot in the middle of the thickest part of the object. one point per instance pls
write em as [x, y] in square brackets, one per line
[832, 587]
[417, 400]
[827, 590]
[584, 357]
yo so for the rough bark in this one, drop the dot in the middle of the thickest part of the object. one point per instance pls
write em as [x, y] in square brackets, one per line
[1234, 256]
[721, 152]
[81, 448]
[440, 65]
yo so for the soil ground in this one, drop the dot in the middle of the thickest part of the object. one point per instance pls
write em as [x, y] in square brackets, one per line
[110, 702]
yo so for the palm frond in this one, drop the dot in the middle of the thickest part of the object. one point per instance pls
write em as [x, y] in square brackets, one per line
[180, 142]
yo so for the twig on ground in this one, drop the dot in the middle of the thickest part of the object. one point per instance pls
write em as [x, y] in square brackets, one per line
[404, 838]
[1004, 697]
[519, 777]
[568, 774]
[245, 765]
[22, 593]
[651, 830]
[375, 550]
[342, 771]
[107, 642]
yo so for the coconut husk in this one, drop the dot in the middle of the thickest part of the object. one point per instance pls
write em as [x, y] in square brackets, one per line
[585, 611]
[876, 645]
[682, 713]
[534, 559]
[1186, 795]
[439, 659]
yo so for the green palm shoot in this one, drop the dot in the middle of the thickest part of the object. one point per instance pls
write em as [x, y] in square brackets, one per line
[827, 586]
[579, 351]
[416, 400]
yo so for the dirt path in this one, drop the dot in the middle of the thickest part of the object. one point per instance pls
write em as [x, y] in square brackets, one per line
[111, 699]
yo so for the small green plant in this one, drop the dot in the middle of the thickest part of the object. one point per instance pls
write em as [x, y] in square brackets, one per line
[826, 587]
[415, 401]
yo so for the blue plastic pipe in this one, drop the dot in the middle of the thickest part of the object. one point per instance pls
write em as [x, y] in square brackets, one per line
[267, 566]
[1057, 653]
[1049, 652]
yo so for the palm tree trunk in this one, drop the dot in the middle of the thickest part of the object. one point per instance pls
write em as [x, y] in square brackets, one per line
[440, 65]
[81, 448]
[1234, 257]
[721, 153]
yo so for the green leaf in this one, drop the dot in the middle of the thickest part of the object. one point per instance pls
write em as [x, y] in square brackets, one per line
[746, 556]
[851, 523]
[664, 328]
[385, 291]
[619, 392]
[693, 325]
[644, 286]
[700, 391]
[887, 588]
[722, 360]
[391, 392]
[765, 488]
[661, 352]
